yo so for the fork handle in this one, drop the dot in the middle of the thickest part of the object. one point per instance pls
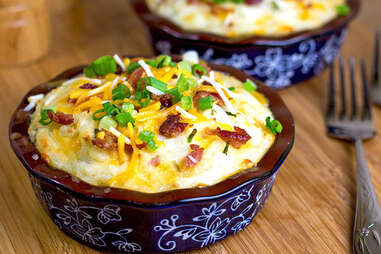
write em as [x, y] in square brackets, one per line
[367, 226]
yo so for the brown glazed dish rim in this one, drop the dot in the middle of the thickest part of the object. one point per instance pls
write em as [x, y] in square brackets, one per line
[163, 24]
[265, 168]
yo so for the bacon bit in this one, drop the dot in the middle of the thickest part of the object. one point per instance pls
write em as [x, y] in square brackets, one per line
[128, 148]
[109, 142]
[71, 101]
[88, 86]
[209, 131]
[45, 158]
[236, 139]
[118, 70]
[172, 127]
[135, 76]
[61, 118]
[203, 94]
[166, 100]
[155, 161]
[208, 69]
[194, 157]
[252, 2]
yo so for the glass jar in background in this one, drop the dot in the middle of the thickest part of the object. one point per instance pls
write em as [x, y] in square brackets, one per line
[24, 31]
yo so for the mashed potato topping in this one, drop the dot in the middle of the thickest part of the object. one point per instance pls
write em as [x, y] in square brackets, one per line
[245, 18]
[152, 125]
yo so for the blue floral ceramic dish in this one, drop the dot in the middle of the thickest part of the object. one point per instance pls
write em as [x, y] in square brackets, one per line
[279, 62]
[129, 221]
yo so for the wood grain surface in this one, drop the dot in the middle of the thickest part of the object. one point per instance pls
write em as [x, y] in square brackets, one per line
[311, 207]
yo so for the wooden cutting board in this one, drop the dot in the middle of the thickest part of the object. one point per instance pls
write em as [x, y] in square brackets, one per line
[311, 207]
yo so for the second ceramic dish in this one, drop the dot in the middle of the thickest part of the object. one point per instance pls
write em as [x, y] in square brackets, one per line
[277, 61]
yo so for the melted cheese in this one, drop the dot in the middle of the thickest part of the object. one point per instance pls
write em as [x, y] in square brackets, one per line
[237, 20]
[69, 148]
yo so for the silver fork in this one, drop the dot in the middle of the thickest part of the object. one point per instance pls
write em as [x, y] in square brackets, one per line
[357, 126]
[376, 81]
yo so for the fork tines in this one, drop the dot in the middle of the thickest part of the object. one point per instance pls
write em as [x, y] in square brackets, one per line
[354, 113]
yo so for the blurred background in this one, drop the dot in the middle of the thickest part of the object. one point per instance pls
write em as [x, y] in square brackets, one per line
[52, 31]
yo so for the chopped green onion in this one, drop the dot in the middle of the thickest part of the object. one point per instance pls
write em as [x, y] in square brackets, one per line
[127, 107]
[249, 86]
[106, 122]
[151, 63]
[110, 109]
[191, 136]
[124, 118]
[192, 83]
[206, 103]
[198, 70]
[182, 83]
[152, 146]
[102, 66]
[95, 115]
[89, 72]
[226, 149]
[159, 85]
[121, 92]
[186, 102]
[274, 6]
[133, 66]
[45, 119]
[143, 98]
[146, 136]
[231, 114]
[343, 9]
[163, 61]
[274, 126]
[176, 94]
[232, 88]
[185, 67]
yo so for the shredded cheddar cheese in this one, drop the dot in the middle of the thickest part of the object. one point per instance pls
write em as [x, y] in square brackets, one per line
[96, 128]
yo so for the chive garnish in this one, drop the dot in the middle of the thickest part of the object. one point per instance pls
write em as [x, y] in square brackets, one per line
[191, 136]
[226, 149]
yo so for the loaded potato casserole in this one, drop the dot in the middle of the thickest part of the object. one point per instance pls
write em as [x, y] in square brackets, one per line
[152, 124]
[242, 18]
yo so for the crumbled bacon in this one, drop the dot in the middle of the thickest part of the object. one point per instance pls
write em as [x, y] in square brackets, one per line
[128, 148]
[155, 161]
[194, 157]
[236, 139]
[166, 100]
[71, 101]
[172, 127]
[88, 86]
[207, 68]
[135, 76]
[118, 70]
[109, 142]
[203, 94]
[252, 2]
[61, 118]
